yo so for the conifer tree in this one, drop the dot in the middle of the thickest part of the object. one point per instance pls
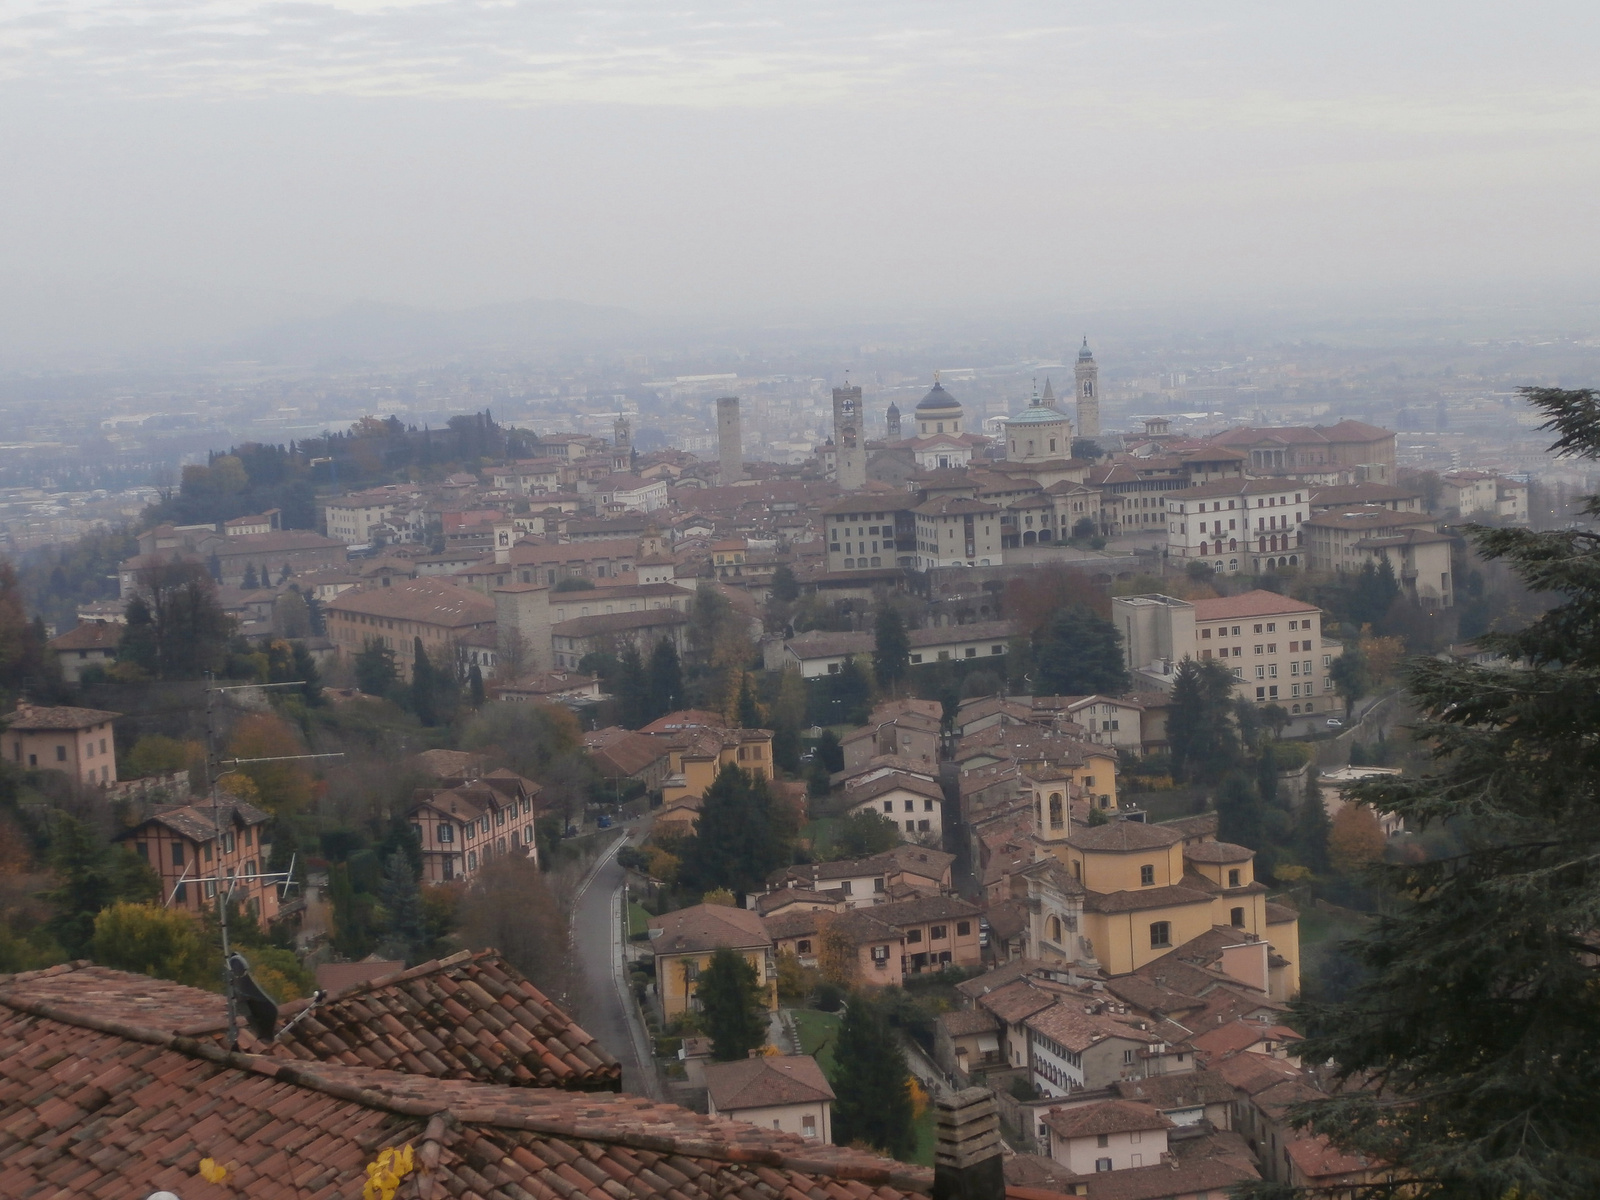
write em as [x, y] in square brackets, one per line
[1199, 730]
[424, 701]
[732, 1005]
[665, 681]
[633, 699]
[404, 935]
[1079, 654]
[738, 840]
[891, 655]
[872, 1082]
[475, 686]
[749, 710]
[1475, 1036]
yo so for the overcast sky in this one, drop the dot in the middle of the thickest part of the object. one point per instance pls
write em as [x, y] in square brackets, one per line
[169, 167]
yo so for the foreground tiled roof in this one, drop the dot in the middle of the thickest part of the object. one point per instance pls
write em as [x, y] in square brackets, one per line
[468, 1017]
[91, 1108]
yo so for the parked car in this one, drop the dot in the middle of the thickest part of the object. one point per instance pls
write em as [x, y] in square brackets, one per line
[1335, 723]
[603, 821]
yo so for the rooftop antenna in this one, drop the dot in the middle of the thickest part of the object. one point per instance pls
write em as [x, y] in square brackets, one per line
[237, 983]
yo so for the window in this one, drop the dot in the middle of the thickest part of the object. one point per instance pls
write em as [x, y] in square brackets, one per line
[1102, 1140]
[1236, 918]
[922, 826]
[61, 754]
[142, 849]
[447, 832]
[1161, 933]
[844, 887]
[803, 946]
[1102, 1164]
[1147, 875]
[177, 854]
[808, 1126]
[963, 928]
[913, 935]
[938, 933]
[927, 806]
[1127, 1059]
[1233, 877]
[910, 806]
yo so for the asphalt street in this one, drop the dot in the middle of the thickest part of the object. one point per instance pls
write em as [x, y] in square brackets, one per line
[596, 940]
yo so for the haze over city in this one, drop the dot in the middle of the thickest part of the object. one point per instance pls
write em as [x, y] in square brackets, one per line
[180, 173]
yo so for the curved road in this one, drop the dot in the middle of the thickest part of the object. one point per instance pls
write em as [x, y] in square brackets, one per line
[597, 942]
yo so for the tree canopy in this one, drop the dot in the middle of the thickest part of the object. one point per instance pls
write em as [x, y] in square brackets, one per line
[1078, 654]
[1477, 1028]
[732, 1005]
[872, 1082]
[740, 837]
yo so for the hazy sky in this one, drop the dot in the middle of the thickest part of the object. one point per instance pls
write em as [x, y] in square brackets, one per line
[173, 167]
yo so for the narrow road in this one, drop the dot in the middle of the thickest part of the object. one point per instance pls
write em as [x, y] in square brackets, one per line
[597, 941]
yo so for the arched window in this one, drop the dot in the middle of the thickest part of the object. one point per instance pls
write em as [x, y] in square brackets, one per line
[1055, 930]
[1055, 810]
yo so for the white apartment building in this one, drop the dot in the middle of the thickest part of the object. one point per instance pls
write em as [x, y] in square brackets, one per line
[1239, 524]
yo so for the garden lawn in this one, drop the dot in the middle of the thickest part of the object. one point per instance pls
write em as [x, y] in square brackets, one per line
[638, 919]
[818, 1032]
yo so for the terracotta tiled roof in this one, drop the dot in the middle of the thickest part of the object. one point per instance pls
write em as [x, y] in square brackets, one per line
[707, 927]
[759, 1082]
[469, 1016]
[30, 717]
[1108, 1116]
[89, 635]
[1186, 1089]
[968, 1021]
[1249, 604]
[93, 1108]
[1218, 852]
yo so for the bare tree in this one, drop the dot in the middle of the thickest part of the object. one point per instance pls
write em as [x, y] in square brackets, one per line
[515, 655]
[512, 908]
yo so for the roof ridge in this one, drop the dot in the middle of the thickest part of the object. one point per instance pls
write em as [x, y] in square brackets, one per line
[317, 1077]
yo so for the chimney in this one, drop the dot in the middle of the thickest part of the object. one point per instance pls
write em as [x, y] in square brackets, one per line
[967, 1154]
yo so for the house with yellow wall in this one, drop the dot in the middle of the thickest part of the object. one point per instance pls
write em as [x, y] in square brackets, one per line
[1147, 892]
[696, 755]
[684, 941]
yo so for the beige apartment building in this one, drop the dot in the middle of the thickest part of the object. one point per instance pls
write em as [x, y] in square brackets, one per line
[954, 531]
[76, 741]
[1332, 537]
[1272, 644]
[439, 613]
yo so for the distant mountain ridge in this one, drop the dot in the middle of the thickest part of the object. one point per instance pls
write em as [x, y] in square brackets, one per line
[368, 330]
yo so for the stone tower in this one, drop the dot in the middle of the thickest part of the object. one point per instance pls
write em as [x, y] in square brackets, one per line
[1087, 375]
[730, 441]
[850, 451]
[621, 445]
[891, 421]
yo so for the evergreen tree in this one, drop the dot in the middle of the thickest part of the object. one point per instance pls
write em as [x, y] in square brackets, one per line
[738, 839]
[1240, 816]
[404, 935]
[872, 1083]
[1204, 743]
[852, 695]
[784, 586]
[732, 1008]
[376, 674]
[830, 752]
[1079, 654]
[138, 645]
[632, 690]
[424, 689]
[92, 876]
[749, 710]
[1350, 676]
[891, 655]
[250, 583]
[475, 686]
[665, 680]
[1476, 1032]
[1311, 833]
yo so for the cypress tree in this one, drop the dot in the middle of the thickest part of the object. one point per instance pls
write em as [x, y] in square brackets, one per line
[404, 934]
[749, 710]
[665, 681]
[731, 1003]
[633, 699]
[475, 686]
[891, 655]
[424, 701]
[872, 1083]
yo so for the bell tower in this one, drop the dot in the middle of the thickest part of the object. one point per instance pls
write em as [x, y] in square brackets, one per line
[621, 445]
[850, 452]
[1087, 376]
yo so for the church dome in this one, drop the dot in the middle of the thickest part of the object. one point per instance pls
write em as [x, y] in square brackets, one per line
[938, 400]
[1036, 414]
[1085, 353]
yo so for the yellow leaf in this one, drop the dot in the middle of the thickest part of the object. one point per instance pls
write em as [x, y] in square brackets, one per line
[212, 1171]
